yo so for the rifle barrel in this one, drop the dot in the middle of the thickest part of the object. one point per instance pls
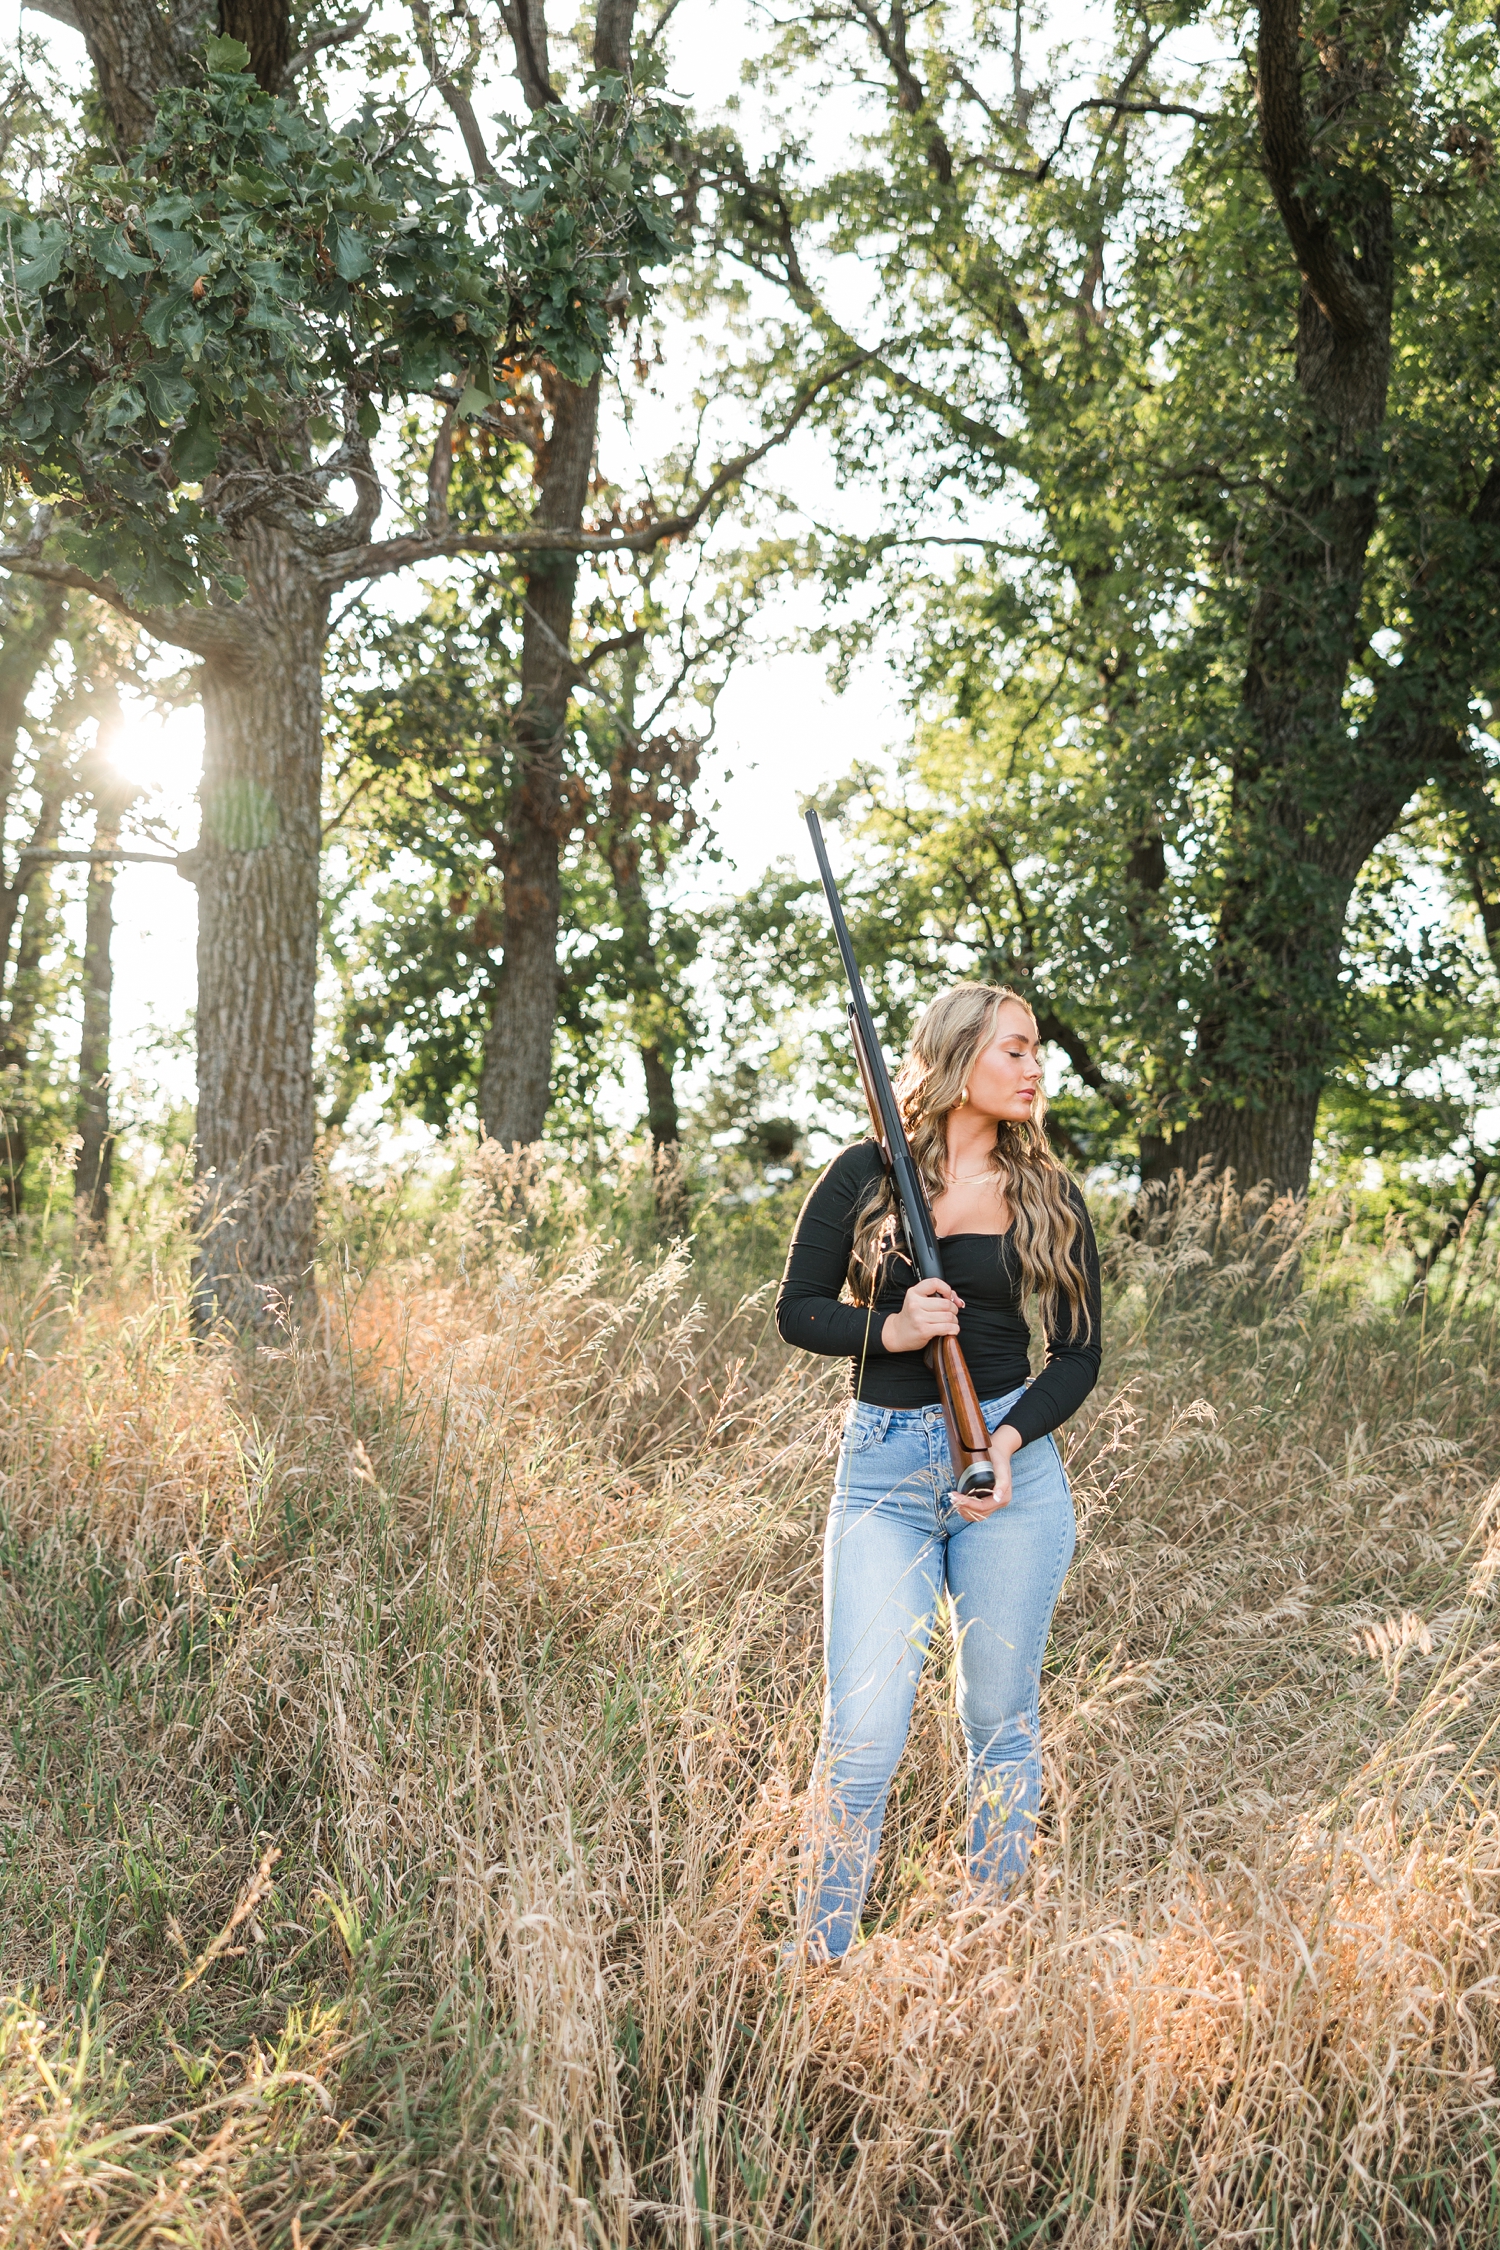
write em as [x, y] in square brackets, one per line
[921, 1232]
[963, 1416]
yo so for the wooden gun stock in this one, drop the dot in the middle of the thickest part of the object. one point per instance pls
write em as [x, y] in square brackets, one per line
[968, 1435]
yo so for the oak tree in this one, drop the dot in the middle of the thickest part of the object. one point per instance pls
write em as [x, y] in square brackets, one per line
[1181, 388]
[214, 318]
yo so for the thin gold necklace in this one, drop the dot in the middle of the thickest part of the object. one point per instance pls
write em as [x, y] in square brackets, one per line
[958, 1179]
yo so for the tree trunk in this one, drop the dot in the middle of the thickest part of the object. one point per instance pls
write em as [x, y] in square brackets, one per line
[30, 622]
[266, 29]
[662, 1121]
[95, 1141]
[256, 868]
[516, 1081]
[256, 863]
[1272, 1141]
[668, 1180]
[1308, 803]
[25, 993]
[136, 50]
[632, 806]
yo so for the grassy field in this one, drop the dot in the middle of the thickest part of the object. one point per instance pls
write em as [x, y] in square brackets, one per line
[406, 1727]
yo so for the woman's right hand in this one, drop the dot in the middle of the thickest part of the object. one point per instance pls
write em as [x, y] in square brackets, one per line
[930, 1309]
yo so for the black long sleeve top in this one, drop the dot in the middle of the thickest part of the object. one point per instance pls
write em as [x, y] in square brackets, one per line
[982, 1268]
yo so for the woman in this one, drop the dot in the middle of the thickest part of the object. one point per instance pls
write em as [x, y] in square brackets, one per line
[1016, 1233]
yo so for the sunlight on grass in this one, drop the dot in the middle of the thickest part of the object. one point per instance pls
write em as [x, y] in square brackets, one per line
[490, 1604]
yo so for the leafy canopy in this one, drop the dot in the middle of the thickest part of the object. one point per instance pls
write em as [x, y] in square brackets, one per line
[255, 272]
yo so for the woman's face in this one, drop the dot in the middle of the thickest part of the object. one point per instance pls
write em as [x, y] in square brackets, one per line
[1007, 1076]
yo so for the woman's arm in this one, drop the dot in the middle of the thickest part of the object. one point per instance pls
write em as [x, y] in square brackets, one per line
[1074, 1349]
[808, 1311]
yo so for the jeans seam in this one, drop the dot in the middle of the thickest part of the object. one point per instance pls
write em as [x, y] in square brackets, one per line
[1059, 1571]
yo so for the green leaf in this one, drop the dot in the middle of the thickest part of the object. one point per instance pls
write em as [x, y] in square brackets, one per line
[226, 57]
[350, 257]
[168, 394]
[171, 243]
[122, 410]
[116, 259]
[40, 273]
[33, 418]
[195, 450]
[158, 319]
[369, 418]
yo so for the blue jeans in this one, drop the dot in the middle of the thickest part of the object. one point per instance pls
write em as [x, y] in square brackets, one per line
[895, 1545]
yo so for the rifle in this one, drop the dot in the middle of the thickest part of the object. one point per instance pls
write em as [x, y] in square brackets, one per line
[968, 1438]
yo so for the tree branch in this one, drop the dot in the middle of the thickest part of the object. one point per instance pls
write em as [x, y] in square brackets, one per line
[616, 645]
[336, 35]
[526, 21]
[439, 478]
[383, 556]
[61, 11]
[1037, 174]
[39, 852]
[889, 40]
[763, 201]
[1053, 1028]
[453, 89]
[217, 633]
[1349, 307]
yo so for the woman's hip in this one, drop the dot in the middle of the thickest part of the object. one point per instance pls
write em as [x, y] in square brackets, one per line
[888, 1452]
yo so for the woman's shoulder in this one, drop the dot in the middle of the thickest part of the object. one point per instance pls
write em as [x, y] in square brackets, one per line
[851, 1171]
[860, 1161]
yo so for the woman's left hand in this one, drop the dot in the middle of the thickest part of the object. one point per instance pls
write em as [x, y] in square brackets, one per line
[1004, 1443]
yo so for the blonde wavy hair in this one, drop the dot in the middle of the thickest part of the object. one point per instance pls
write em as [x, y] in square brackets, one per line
[1047, 1232]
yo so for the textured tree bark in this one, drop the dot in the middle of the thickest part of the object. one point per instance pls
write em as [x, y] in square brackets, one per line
[28, 628]
[662, 1120]
[95, 1141]
[265, 28]
[1308, 803]
[516, 1080]
[136, 49]
[25, 993]
[256, 868]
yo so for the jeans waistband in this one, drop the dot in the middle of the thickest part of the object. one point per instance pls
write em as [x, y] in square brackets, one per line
[911, 1417]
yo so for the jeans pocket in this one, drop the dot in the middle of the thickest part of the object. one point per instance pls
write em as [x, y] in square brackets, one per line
[996, 1409]
[864, 1426]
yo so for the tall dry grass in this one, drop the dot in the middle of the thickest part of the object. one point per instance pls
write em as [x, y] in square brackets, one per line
[407, 1728]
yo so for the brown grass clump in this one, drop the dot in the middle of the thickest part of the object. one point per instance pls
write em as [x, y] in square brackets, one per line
[408, 1727]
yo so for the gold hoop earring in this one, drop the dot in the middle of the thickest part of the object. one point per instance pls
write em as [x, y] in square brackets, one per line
[963, 1098]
